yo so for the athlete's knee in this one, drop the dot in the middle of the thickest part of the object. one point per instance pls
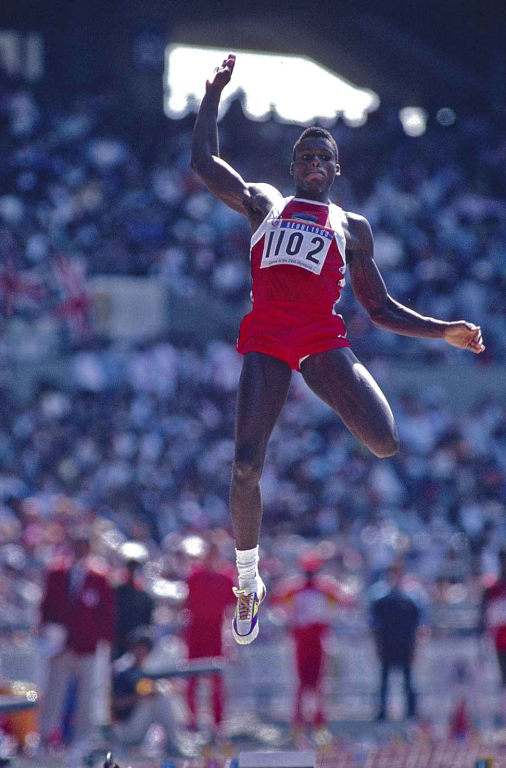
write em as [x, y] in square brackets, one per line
[246, 472]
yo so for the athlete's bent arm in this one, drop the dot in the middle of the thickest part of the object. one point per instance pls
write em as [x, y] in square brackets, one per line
[252, 200]
[385, 312]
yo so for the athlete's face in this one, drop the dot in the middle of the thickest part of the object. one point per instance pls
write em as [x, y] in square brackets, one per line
[315, 166]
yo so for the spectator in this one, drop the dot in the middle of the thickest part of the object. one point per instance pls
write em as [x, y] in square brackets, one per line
[493, 620]
[78, 597]
[309, 602]
[134, 607]
[395, 621]
[209, 599]
[138, 702]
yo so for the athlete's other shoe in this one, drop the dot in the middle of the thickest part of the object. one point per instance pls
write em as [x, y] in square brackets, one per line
[245, 622]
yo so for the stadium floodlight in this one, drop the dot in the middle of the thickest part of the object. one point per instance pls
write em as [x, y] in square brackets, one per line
[414, 121]
[446, 116]
[292, 89]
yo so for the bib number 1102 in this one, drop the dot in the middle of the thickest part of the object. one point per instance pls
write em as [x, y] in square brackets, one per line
[306, 249]
[293, 245]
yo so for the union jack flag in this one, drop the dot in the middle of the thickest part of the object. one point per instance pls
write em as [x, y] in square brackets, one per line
[75, 307]
[19, 290]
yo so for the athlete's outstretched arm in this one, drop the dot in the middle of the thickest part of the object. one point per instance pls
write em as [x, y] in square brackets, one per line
[221, 179]
[385, 312]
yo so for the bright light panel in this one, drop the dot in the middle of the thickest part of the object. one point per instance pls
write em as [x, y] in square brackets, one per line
[293, 89]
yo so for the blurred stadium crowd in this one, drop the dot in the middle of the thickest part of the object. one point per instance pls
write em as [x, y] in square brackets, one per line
[90, 181]
[157, 448]
[140, 446]
[155, 462]
[145, 437]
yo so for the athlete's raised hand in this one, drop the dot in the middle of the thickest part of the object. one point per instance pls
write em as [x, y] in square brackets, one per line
[222, 74]
[464, 335]
[252, 200]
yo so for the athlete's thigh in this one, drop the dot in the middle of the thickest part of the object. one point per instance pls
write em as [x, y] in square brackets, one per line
[341, 381]
[262, 392]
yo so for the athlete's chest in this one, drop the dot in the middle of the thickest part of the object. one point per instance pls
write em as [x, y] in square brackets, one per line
[304, 235]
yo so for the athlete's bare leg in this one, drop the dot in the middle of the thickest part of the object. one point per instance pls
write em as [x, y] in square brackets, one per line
[341, 381]
[263, 388]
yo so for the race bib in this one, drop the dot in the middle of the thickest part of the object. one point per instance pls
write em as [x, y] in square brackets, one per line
[293, 242]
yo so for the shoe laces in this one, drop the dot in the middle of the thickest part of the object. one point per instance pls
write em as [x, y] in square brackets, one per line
[245, 606]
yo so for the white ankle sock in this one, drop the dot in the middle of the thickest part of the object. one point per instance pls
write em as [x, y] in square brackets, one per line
[247, 565]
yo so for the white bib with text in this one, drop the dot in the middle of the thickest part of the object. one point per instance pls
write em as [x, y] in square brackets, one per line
[300, 244]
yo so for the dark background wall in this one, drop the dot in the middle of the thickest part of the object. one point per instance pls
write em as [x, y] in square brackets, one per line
[431, 54]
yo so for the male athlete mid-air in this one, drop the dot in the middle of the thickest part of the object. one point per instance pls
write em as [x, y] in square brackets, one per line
[300, 247]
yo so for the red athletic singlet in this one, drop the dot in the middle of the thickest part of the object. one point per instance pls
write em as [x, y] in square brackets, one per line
[297, 269]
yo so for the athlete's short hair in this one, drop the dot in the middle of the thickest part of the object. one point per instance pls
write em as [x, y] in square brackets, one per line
[318, 133]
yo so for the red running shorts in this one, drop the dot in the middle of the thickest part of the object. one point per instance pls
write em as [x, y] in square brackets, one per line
[291, 332]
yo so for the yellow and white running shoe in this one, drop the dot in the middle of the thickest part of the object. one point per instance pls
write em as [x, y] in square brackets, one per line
[245, 622]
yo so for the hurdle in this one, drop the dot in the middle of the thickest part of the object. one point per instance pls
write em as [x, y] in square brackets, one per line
[305, 758]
